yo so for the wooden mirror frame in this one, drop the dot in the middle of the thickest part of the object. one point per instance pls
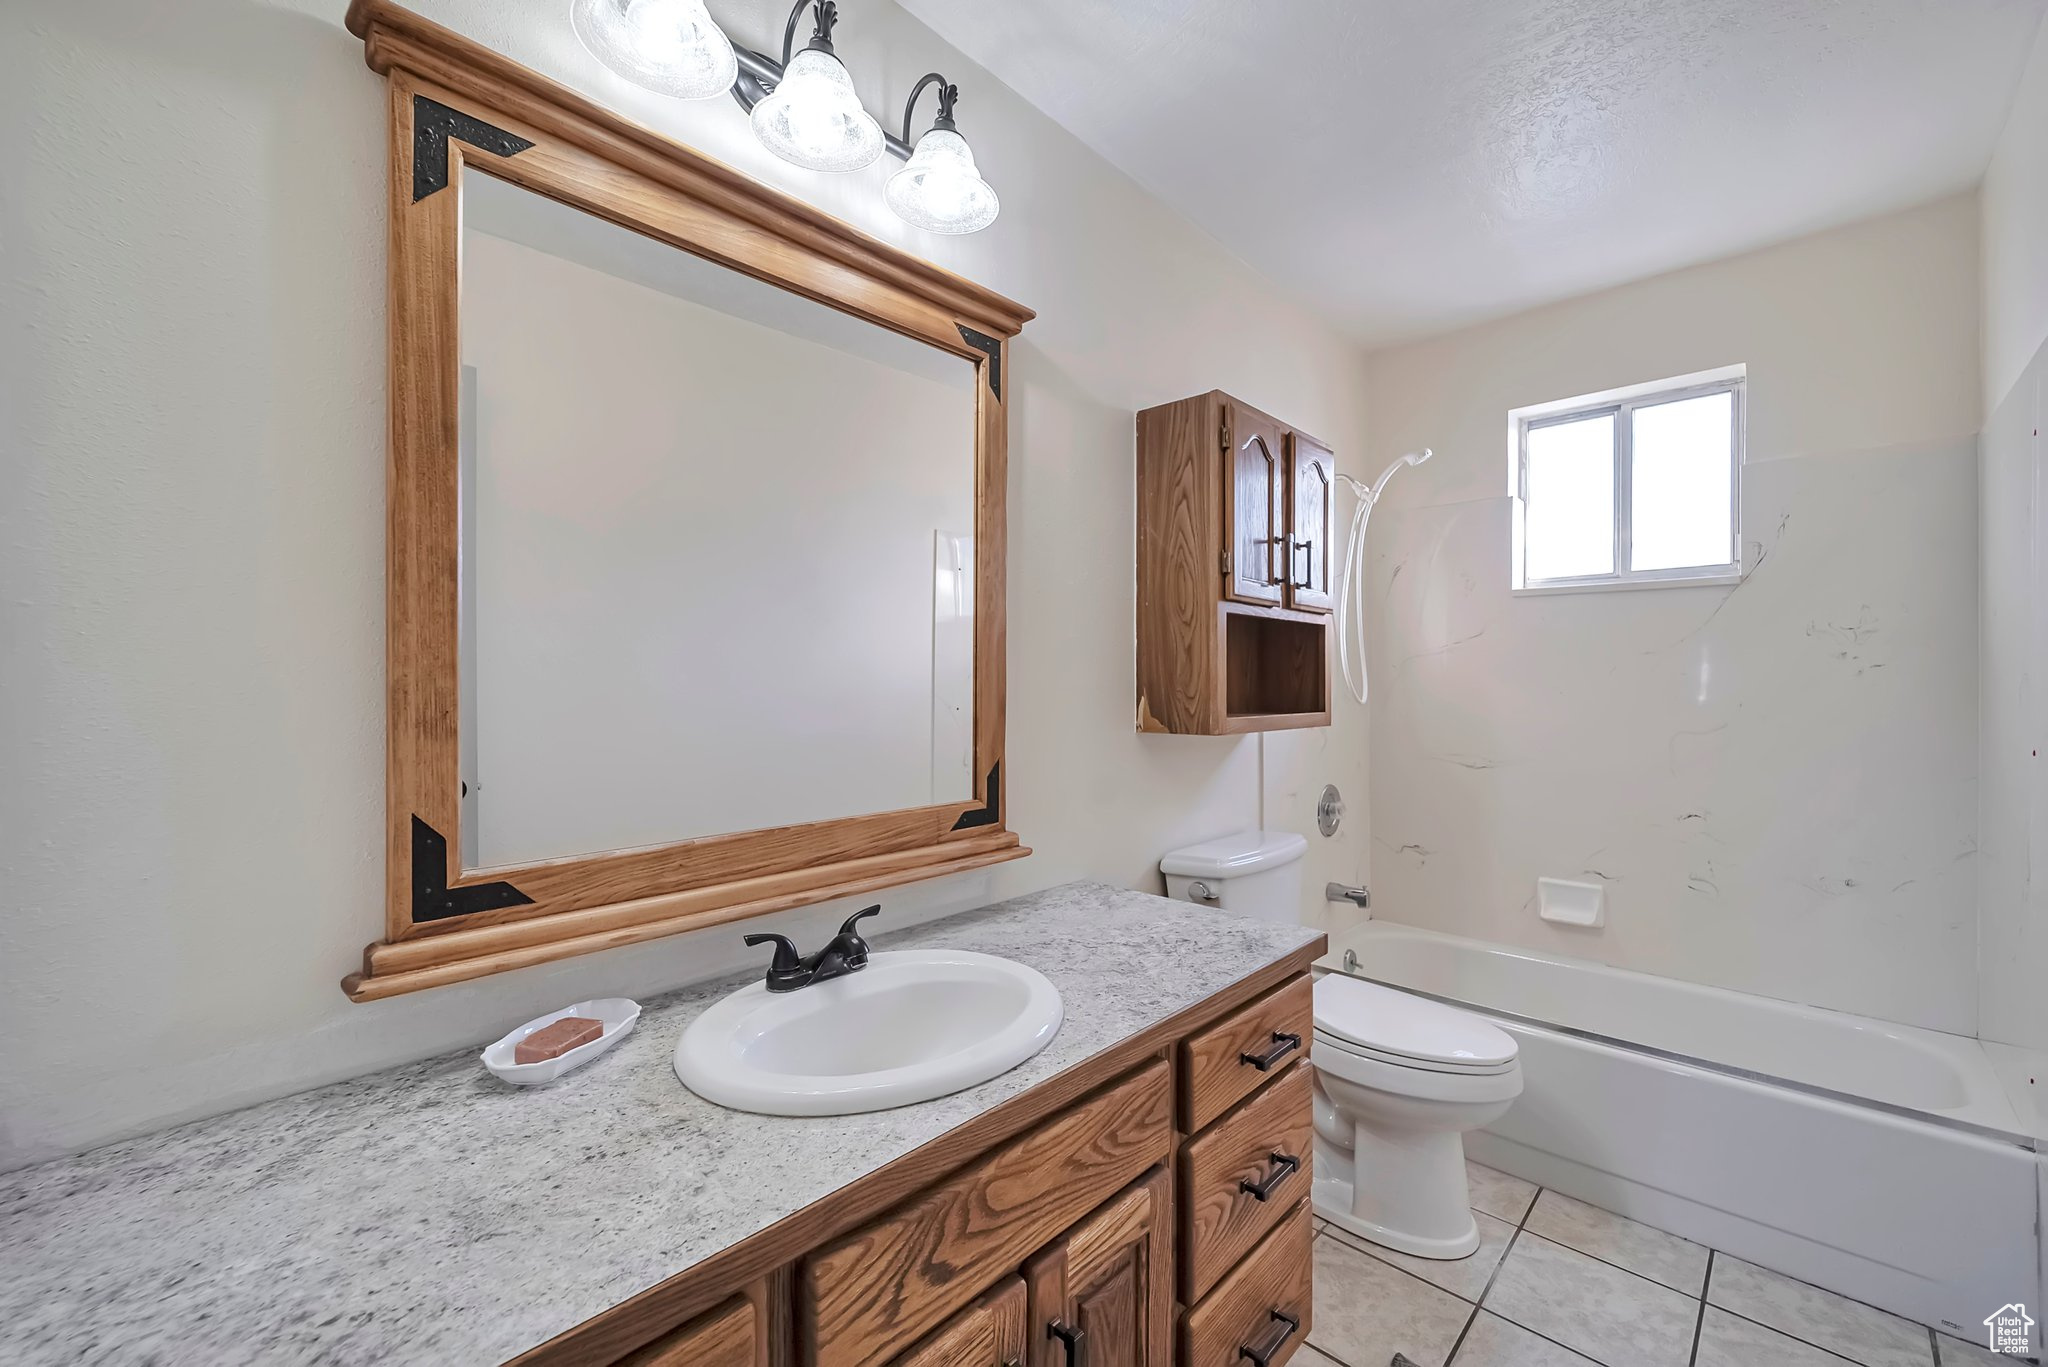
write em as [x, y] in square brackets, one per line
[455, 105]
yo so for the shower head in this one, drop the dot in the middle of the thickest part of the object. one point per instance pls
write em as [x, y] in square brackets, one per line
[1372, 495]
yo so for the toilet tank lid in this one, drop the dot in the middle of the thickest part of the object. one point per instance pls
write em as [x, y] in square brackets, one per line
[1235, 855]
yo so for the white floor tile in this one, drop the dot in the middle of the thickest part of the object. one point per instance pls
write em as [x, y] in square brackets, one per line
[1465, 1276]
[1601, 1311]
[1859, 1332]
[1678, 1263]
[1957, 1352]
[1730, 1341]
[1367, 1311]
[1493, 1342]
[1309, 1356]
[1499, 1195]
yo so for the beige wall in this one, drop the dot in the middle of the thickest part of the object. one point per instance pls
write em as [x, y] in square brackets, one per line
[1774, 782]
[191, 535]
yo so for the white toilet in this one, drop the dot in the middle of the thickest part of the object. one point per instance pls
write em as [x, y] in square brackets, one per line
[1399, 1078]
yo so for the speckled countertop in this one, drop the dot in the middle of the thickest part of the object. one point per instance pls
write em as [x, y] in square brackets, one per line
[432, 1214]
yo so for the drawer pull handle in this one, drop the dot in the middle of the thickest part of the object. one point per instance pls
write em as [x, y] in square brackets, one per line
[1071, 1339]
[1283, 1044]
[1261, 1354]
[1284, 1164]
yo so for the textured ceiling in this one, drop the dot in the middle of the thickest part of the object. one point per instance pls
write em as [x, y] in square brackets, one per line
[1409, 166]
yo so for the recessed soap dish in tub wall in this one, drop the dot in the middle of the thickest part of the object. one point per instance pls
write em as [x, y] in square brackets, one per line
[1571, 904]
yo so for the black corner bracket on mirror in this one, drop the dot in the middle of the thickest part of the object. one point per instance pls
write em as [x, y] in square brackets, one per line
[990, 813]
[433, 124]
[433, 899]
[991, 348]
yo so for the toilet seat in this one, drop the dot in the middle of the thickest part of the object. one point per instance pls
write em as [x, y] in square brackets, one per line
[1368, 1021]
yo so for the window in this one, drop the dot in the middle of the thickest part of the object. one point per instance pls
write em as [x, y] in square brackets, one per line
[1630, 488]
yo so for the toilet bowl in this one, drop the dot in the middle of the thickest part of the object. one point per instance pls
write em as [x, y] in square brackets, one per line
[1399, 1080]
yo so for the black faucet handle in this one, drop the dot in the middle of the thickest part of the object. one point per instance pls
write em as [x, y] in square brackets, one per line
[852, 948]
[787, 959]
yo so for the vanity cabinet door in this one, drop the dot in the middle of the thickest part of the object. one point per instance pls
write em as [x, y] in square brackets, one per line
[988, 1333]
[1254, 505]
[1312, 515]
[1101, 1295]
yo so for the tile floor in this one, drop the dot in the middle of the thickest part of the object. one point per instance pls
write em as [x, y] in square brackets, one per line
[1558, 1283]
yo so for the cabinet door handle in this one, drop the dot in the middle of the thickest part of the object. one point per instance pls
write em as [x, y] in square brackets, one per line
[1284, 1166]
[1071, 1339]
[1284, 1326]
[1307, 581]
[1282, 1044]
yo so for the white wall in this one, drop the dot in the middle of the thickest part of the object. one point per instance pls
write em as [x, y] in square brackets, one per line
[1776, 782]
[2013, 907]
[191, 536]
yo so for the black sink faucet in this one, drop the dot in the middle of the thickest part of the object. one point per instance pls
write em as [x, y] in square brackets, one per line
[847, 953]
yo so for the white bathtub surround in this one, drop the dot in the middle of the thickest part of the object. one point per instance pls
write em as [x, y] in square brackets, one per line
[1781, 1174]
[1774, 783]
[1576, 1286]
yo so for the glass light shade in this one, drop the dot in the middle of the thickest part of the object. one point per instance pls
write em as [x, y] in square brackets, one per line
[814, 119]
[940, 189]
[673, 47]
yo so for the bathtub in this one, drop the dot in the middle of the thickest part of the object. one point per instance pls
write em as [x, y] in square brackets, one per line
[1880, 1161]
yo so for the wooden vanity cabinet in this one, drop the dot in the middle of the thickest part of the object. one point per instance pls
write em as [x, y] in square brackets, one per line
[1236, 565]
[1131, 1211]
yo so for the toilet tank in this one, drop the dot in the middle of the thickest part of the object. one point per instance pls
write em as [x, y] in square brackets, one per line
[1257, 873]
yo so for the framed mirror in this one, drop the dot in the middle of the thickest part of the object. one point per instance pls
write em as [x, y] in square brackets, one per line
[696, 536]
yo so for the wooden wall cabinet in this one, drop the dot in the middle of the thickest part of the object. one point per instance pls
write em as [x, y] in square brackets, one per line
[1148, 1208]
[1236, 557]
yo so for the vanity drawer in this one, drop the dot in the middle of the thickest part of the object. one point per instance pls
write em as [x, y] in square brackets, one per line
[875, 1291]
[1240, 1177]
[988, 1333]
[1247, 1317]
[729, 1336]
[1222, 1065]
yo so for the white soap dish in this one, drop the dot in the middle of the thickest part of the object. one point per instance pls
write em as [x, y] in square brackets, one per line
[1572, 904]
[617, 1013]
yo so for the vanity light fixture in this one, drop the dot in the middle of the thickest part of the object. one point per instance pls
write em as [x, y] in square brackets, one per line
[804, 108]
[812, 118]
[941, 190]
[673, 47]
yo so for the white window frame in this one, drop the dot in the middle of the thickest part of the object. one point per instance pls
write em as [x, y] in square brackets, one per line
[1622, 403]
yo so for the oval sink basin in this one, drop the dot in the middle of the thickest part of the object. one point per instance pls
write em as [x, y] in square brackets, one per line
[912, 1025]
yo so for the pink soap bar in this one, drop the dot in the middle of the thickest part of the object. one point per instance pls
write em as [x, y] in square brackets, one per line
[556, 1038]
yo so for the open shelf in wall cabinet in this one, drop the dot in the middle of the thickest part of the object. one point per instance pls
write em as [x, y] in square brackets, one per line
[1235, 520]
